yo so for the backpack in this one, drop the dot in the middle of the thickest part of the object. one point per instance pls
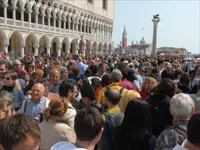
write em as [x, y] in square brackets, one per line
[111, 122]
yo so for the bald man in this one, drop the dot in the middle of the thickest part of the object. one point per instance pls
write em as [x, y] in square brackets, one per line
[35, 106]
[54, 77]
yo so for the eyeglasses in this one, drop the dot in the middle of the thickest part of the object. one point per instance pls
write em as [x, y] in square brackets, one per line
[2, 69]
[6, 78]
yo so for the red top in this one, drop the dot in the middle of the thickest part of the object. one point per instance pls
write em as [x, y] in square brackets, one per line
[143, 94]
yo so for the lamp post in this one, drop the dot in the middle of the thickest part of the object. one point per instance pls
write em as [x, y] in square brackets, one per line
[155, 20]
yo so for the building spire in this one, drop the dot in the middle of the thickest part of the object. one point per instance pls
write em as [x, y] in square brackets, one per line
[125, 29]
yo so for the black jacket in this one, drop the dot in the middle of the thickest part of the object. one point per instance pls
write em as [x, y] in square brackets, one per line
[160, 112]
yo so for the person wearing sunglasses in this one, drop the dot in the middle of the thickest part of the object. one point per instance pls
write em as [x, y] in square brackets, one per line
[9, 85]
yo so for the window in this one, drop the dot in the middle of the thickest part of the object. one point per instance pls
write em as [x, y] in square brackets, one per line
[91, 1]
[105, 4]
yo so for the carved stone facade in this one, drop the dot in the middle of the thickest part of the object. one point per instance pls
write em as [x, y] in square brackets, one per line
[55, 27]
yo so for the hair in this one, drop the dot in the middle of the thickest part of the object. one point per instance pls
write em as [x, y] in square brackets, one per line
[177, 73]
[185, 79]
[29, 65]
[148, 84]
[168, 73]
[131, 75]
[88, 124]
[198, 72]
[87, 90]
[94, 69]
[160, 61]
[193, 130]
[106, 80]
[167, 87]
[113, 96]
[7, 97]
[39, 73]
[3, 62]
[136, 123]
[2, 104]
[116, 75]
[126, 98]
[13, 75]
[66, 86]
[75, 70]
[101, 65]
[96, 83]
[181, 105]
[17, 128]
[57, 108]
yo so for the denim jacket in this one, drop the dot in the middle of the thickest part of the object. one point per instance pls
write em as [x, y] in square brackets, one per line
[18, 98]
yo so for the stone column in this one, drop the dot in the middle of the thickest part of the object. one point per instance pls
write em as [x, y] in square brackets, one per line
[58, 51]
[49, 24]
[59, 24]
[29, 17]
[69, 25]
[155, 24]
[80, 26]
[22, 17]
[84, 24]
[54, 23]
[22, 51]
[43, 21]
[36, 19]
[6, 48]
[64, 20]
[14, 15]
[36, 50]
[48, 50]
[5, 12]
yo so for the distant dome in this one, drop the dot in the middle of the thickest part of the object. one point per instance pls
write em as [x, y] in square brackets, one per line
[142, 41]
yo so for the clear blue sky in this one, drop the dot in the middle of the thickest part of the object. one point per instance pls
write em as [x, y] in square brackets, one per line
[179, 26]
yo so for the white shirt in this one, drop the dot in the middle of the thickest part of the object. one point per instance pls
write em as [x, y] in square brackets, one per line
[65, 146]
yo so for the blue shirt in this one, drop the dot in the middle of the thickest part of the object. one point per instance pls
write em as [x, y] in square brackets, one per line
[82, 67]
[33, 109]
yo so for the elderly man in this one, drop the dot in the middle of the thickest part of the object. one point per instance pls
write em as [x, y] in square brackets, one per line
[35, 106]
[55, 81]
[181, 108]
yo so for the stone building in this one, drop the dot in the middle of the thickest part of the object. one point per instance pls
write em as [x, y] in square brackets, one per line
[58, 27]
[141, 48]
[172, 51]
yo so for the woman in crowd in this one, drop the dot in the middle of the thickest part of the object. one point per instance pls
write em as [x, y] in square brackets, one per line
[135, 130]
[184, 82]
[147, 85]
[52, 129]
[128, 96]
[9, 85]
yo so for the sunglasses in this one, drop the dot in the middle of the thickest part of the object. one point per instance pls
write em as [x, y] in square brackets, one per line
[7, 78]
[1, 69]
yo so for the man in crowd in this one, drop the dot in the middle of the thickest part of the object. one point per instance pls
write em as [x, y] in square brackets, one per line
[35, 106]
[113, 117]
[88, 128]
[3, 66]
[102, 70]
[193, 135]
[68, 89]
[19, 132]
[181, 108]
[81, 66]
[54, 77]
[22, 74]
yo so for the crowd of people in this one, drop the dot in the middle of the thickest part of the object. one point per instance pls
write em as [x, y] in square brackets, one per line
[99, 103]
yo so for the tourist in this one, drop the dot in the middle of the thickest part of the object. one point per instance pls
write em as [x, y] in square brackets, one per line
[159, 99]
[52, 129]
[128, 96]
[181, 108]
[135, 130]
[196, 98]
[82, 67]
[68, 89]
[184, 82]
[54, 78]
[19, 132]
[147, 85]
[9, 85]
[34, 107]
[102, 70]
[113, 117]
[88, 128]
[192, 142]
